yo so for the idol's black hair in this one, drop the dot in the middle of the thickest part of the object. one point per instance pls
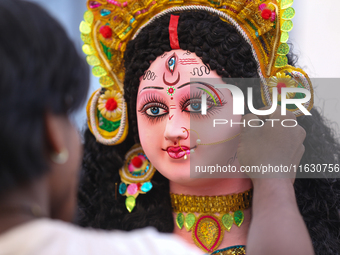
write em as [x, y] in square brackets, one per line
[220, 47]
[40, 72]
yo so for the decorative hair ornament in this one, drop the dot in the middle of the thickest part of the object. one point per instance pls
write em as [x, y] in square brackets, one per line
[135, 175]
[207, 227]
[173, 36]
[107, 116]
[109, 25]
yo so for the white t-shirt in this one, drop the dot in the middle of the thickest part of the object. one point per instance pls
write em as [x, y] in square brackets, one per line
[52, 237]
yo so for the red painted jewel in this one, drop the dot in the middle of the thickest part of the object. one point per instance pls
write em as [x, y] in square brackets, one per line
[139, 185]
[172, 98]
[137, 162]
[171, 90]
[280, 85]
[111, 104]
[266, 13]
[106, 31]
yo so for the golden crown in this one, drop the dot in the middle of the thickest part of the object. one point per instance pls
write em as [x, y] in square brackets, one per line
[110, 24]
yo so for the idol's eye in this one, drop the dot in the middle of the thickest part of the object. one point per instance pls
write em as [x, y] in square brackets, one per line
[153, 107]
[194, 105]
[155, 111]
[172, 64]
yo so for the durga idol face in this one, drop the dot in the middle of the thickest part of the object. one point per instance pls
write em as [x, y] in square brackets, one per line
[170, 120]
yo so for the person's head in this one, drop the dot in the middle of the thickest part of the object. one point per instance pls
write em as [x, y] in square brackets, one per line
[209, 48]
[42, 81]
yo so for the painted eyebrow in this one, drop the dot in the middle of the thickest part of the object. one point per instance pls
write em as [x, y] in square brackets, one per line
[151, 88]
[185, 84]
[196, 82]
[211, 87]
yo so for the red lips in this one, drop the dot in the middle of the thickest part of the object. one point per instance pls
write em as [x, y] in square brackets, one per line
[177, 152]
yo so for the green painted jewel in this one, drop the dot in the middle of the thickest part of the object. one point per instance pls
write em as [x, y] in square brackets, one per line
[98, 71]
[227, 221]
[86, 38]
[107, 51]
[214, 2]
[286, 3]
[297, 95]
[106, 81]
[190, 220]
[180, 220]
[107, 125]
[130, 203]
[92, 60]
[85, 28]
[287, 26]
[288, 13]
[283, 49]
[284, 37]
[88, 50]
[238, 218]
[88, 17]
[281, 61]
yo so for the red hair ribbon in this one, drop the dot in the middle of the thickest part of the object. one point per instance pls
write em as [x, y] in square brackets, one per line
[173, 36]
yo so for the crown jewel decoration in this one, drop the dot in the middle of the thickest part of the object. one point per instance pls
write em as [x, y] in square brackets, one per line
[109, 25]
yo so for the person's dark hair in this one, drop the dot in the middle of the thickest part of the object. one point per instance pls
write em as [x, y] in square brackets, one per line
[40, 71]
[220, 46]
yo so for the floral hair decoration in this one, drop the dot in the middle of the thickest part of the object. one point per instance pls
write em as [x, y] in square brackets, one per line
[109, 25]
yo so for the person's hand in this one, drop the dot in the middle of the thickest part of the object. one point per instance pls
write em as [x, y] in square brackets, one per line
[275, 213]
[271, 145]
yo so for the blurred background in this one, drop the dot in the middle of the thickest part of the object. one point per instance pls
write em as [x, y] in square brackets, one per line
[315, 36]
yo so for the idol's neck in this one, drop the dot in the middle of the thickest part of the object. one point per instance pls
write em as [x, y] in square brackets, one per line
[216, 187]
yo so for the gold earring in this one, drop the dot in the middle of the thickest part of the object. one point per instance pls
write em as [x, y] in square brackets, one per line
[61, 157]
[135, 175]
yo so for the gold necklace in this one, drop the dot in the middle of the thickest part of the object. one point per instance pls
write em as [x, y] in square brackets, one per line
[208, 228]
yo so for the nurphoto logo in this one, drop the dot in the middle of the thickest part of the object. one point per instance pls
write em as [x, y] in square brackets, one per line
[239, 103]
